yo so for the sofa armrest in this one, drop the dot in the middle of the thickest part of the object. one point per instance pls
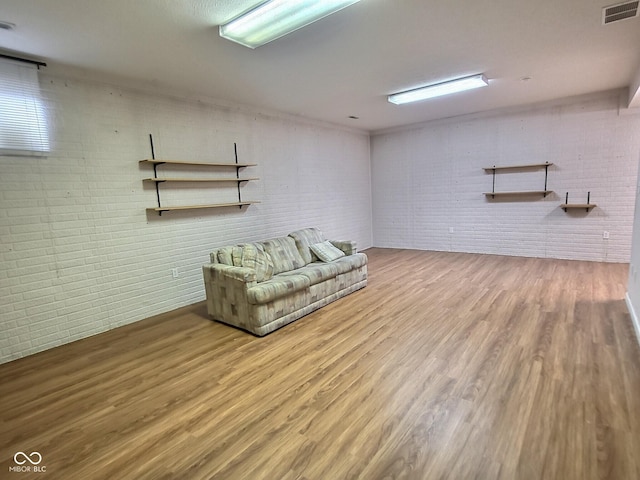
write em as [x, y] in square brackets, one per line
[347, 246]
[226, 290]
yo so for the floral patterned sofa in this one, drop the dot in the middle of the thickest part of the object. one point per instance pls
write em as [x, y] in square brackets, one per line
[265, 285]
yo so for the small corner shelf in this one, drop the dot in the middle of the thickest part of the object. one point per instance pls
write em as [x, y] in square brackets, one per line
[158, 180]
[529, 166]
[587, 206]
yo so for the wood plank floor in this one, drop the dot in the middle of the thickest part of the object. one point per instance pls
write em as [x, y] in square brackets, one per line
[447, 366]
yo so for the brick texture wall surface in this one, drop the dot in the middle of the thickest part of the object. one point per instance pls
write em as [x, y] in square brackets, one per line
[428, 182]
[633, 287]
[80, 255]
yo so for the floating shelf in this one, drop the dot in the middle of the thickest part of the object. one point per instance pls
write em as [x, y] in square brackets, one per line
[522, 192]
[192, 207]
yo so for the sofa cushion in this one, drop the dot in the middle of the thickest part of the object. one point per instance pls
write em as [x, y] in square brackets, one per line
[350, 262]
[236, 255]
[326, 252]
[249, 255]
[253, 256]
[318, 272]
[305, 238]
[223, 255]
[277, 287]
[284, 254]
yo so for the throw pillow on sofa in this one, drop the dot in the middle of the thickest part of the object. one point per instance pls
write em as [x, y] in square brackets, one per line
[326, 252]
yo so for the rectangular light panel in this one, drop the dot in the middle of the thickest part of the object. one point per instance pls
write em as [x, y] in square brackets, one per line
[276, 18]
[439, 89]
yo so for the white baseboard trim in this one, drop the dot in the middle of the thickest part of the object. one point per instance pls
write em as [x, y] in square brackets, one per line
[634, 317]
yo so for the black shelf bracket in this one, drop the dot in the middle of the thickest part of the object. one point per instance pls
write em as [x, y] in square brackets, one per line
[546, 174]
[493, 186]
[155, 172]
[235, 153]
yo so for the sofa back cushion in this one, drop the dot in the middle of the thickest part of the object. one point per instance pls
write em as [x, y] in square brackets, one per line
[250, 255]
[304, 239]
[223, 255]
[284, 254]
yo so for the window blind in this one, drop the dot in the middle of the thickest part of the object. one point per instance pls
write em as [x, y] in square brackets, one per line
[23, 122]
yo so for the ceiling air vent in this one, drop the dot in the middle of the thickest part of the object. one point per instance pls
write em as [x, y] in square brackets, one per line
[620, 11]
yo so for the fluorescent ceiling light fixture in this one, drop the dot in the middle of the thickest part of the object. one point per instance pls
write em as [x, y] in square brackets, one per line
[276, 18]
[439, 89]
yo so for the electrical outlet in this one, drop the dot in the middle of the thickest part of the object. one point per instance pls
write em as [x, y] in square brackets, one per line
[175, 273]
[605, 235]
[450, 229]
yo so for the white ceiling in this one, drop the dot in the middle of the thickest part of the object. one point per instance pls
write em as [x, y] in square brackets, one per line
[344, 64]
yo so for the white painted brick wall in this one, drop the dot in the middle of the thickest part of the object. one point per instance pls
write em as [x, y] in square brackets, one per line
[79, 255]
[428, 178]
[633, 286]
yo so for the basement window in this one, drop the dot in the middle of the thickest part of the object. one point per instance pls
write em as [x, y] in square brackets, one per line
[23, 123]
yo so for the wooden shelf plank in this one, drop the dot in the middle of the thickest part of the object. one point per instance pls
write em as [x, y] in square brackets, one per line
[192, 207]
[578, 205]
[523, 192]
[514, 167]
[208, 164]
[586, 206]
[177, 179]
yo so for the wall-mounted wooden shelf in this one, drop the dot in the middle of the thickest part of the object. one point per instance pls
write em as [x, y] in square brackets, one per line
[495, 168]
[158, 180]
[586, 206]
[515, 167]
[205, 164]
[569, 206]
[520, 192]
[193, 207]
[178, 179]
